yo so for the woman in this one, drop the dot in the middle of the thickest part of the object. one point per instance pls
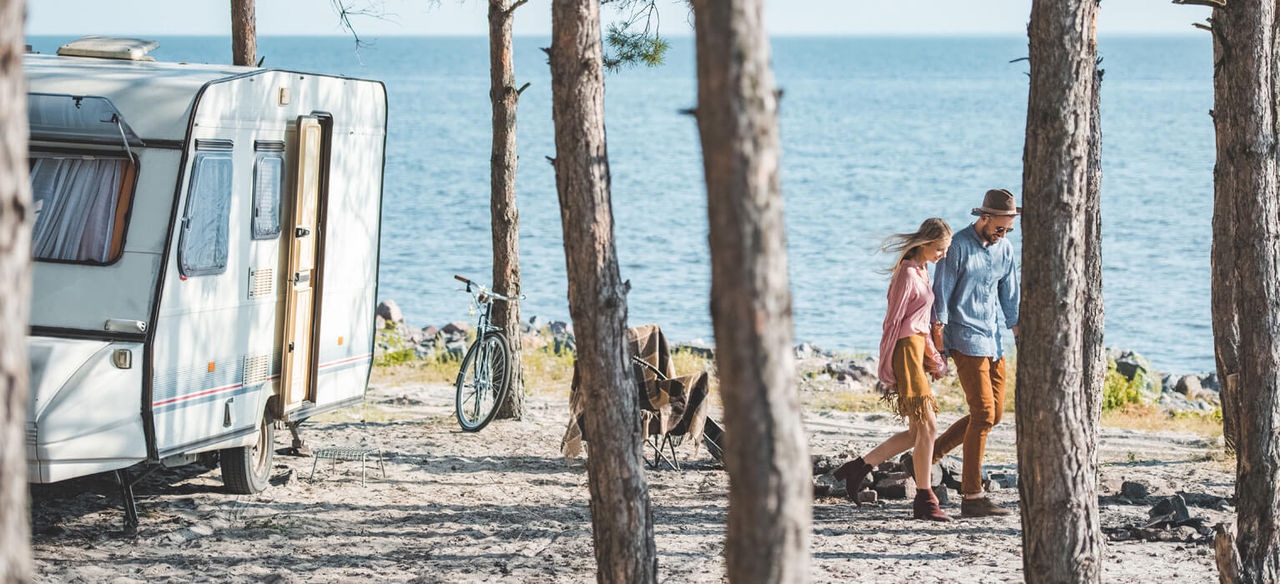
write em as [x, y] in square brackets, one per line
[907, 354]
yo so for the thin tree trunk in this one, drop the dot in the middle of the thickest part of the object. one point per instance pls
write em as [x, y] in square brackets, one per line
[1246, 86]
[621, 518]
[1239, 94]
[1060, 533]
[766, 450]
[1095, 353]
[15, 273]
[244, 33]
[504, 216]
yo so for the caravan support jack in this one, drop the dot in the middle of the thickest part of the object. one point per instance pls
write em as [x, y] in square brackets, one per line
[299, 447]
[126, 496]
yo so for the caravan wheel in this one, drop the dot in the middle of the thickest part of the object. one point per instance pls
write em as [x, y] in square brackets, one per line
[246, 470]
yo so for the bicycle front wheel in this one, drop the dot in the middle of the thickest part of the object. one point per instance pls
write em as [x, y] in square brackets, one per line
[482, 381]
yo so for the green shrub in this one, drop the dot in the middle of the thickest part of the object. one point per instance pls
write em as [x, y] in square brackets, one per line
[394, 350]
[1118, 390]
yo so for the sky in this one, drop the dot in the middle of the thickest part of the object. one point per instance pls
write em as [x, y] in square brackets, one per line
[468, 17]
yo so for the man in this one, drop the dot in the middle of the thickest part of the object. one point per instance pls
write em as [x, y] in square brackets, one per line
[974, 284]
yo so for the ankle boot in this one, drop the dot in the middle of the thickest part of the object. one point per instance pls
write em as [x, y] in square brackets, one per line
[852, 473]
[926, 506]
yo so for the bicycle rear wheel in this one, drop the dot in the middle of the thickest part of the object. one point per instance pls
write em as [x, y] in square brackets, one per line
[482, 381]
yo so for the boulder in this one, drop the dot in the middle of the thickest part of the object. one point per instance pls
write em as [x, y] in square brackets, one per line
[1169, 512]
[1006, 480]
[823, 464]
[907, 462]
[1189, 385]
[390, 311]
[454, 329]
[952, 472]
[1130, 364]
[1134, 490]
[898, 485]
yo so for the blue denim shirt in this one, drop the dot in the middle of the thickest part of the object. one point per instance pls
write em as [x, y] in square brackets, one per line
[974, 287]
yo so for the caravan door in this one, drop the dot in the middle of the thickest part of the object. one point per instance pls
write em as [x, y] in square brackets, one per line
[298, 365]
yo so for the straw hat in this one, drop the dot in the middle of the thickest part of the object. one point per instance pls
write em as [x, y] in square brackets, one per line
[998, 202]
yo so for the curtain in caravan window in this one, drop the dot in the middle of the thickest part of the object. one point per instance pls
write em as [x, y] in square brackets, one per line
[268, 181]
[75, 201]
[206, 226]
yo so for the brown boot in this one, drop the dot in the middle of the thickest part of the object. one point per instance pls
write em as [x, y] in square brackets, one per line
[852, 473]
[926, 506]
[981, 507]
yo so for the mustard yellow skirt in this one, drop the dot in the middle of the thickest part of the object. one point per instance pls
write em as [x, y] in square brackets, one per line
[911, 393]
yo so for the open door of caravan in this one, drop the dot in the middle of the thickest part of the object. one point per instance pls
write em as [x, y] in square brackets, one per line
[298, 365]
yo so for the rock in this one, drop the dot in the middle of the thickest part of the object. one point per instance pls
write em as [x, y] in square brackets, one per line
[896, 486]
[868, 497]
[1210, 382]
[821, 489]
[1134, 490]
[850, 371]
[1205, 501]
[809, 351]
[454, 329]
[390, 311]
[1170, 511]
[559, 327]
[1005, 480]
[1130, 364]
[1189, 385]
[379, 323]
[823, 464]
[890, 466]
[952, 472]
[990, 486]
[908, 466]
[941, 493]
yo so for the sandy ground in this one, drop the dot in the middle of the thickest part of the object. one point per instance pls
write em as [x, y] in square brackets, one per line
[502, 505]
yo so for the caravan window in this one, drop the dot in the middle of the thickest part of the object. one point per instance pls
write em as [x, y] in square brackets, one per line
[81, 205]
[202, 247]
[268, 182]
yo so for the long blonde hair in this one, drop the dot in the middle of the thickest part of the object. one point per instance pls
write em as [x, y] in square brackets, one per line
[907, 245]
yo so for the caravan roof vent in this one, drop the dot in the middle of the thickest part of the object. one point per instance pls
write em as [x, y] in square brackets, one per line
[109, 48]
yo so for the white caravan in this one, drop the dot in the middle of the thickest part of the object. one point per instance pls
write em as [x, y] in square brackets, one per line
[206, 258]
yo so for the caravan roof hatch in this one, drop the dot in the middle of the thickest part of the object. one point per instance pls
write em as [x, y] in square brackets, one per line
[109, 48]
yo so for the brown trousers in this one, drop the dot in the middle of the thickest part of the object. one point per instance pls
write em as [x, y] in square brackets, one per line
[983, 381]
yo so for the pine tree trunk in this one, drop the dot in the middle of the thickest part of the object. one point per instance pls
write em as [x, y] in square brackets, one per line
[1241, 96]
[1095, 353]
[244, 33]
[622, 522]
[15, 273]
[504, 217]
[1245, 181]
[766, 450]
[1061, 539]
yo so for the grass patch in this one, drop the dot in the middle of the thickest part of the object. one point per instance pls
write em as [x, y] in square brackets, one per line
[1150, 418]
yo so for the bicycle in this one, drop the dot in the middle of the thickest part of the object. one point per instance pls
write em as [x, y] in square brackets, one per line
[485, 374]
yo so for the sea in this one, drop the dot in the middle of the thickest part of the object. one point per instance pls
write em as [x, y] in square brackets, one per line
[878, 133]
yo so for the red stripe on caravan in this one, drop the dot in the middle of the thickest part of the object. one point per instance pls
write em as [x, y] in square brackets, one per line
[347, 360]
[198, 394]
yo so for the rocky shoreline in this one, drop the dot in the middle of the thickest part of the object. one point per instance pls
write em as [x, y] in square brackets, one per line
[1195, 393]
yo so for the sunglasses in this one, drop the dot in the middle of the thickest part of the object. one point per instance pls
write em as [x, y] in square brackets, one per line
[1003, 230]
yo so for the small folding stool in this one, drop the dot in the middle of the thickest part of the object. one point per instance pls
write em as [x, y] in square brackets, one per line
[337, 453]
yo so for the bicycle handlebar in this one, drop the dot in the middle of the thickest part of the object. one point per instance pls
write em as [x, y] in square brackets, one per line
[486, 291]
